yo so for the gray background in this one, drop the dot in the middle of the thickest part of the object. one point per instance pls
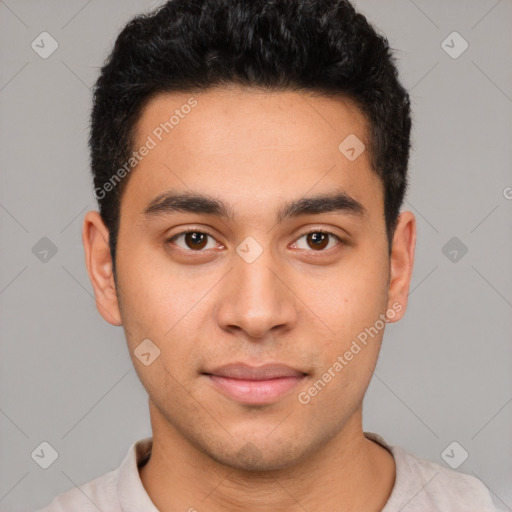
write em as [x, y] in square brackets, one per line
[445, 370]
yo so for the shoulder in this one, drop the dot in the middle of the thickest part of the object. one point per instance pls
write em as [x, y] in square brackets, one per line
[442, 487]
[112, 490]
[100, 492]
[423, 485]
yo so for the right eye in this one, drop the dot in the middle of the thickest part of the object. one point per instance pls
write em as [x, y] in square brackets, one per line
[193, 241]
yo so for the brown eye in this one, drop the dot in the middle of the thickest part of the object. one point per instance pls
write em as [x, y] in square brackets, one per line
[193, 240]
[317, 240]
[196, 240]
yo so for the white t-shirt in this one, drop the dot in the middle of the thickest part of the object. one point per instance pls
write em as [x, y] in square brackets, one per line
[420, 486]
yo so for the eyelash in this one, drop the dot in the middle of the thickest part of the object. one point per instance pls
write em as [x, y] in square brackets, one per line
[206, 232]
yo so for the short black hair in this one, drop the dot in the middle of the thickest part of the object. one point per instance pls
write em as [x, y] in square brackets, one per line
[320, 46]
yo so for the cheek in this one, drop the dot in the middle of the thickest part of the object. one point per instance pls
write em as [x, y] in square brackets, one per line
[348, 356]
[350, 298]
[151, 299]
[165, 306]
[156, 322]
[352, 303]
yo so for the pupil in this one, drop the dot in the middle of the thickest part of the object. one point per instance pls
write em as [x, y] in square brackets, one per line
[318, 239]
[195, 240]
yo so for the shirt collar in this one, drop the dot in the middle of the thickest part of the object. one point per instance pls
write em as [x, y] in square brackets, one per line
[130, 491]
[133, 496]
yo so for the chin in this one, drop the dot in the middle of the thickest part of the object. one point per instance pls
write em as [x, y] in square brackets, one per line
[263, 457]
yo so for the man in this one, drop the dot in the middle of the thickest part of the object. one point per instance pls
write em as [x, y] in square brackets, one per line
[250, 161]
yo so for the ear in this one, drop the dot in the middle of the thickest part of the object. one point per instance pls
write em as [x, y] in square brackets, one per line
[401, 264]
[95, 236]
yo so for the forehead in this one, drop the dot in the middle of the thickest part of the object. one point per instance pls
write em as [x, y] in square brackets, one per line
[247, 144]
[241, 111]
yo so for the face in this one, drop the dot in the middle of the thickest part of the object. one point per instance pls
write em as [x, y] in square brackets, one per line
[283, 260]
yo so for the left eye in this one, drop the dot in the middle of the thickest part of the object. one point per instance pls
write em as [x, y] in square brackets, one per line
[317, 240]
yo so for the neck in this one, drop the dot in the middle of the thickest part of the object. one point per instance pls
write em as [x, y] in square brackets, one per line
[349, 469]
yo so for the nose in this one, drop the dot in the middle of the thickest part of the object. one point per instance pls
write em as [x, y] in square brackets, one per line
[257, 298]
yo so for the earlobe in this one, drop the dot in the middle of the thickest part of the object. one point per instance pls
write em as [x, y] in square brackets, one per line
[401, 264]
[95, 236]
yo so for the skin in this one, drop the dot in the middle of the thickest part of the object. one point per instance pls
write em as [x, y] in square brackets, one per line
[295, 304]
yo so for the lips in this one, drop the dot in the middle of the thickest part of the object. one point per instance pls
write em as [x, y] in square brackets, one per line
[246, 372]
[252, 385]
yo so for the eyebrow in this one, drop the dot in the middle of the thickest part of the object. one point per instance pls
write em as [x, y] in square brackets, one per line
[190, 202]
